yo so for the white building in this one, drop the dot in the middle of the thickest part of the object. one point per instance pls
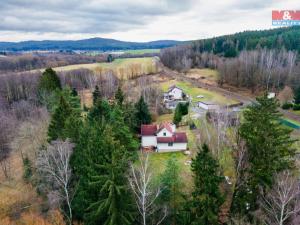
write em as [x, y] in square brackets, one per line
[163, 138]
[174, 93]
[208, 105]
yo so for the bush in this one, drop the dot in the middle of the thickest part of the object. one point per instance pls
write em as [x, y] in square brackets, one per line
[296, 107]
[287, 105]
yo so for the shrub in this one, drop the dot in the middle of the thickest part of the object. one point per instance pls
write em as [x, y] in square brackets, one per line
[287, 105]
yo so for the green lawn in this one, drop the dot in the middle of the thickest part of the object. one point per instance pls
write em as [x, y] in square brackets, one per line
[165, 118]
[158, 164]
[195, 91]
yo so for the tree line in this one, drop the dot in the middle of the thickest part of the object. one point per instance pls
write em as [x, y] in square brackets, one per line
[25, 62]
[253, 59]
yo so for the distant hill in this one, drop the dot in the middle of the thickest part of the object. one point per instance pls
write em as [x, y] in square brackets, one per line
[101, 44]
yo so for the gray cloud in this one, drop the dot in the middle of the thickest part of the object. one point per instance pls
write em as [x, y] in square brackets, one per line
[88, 16]
[253, 4]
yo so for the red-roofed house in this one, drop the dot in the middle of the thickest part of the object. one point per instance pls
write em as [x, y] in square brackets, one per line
[163, 137]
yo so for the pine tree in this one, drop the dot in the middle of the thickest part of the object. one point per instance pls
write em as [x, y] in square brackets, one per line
[96, 94]
[119, 96]
[58, 119]
[99, 110]
[129, 113]
[297, 95]
[207, 197]
[49, 81]
[115, 204]
[66, 118]
[74, 92]
[171, 188]
[184, 108]
[269, 150]
[142, 113]
[102, 151]
[177, 115]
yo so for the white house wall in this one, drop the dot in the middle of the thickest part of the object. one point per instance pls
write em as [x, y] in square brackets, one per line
[149, 141]
[177, 93]
[163, 147]
[164, 130]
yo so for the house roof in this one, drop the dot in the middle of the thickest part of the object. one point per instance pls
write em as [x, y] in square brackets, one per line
[176, 138]
[165, 125]
[165, 139]
[207, 102]
[172, 87]
[180, 137]
[148, 129]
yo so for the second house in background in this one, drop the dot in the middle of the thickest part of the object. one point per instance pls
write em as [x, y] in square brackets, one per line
[173, 96]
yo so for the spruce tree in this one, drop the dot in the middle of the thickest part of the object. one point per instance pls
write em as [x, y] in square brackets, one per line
[100, 110]
[115, 204]
[171, 188]
[119, 96]
[206, 197]
[74, 92]
[100, 159]
[96, 94]
[177, 115]
[269, 150]
[58, 119]
[49, 81]
[184, 108]
[142, 113]
[66, 118]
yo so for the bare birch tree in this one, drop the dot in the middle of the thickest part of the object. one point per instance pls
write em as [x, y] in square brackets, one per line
[140, 181]
[283, 200]
[54, 166]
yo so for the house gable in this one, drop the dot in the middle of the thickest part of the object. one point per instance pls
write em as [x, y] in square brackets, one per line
[164, 132]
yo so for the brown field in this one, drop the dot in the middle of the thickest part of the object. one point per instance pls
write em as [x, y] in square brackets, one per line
[207, 76]
[124, 69]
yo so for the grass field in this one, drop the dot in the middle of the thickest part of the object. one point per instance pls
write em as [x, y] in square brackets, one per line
[194, 92]
[124, 68]
[142, 51]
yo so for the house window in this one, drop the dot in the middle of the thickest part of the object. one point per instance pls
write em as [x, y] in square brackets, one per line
[165, 134]
[170, 144]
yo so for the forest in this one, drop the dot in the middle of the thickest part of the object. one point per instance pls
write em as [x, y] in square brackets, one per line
[258, 60]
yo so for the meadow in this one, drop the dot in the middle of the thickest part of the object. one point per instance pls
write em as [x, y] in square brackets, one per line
[123, 68]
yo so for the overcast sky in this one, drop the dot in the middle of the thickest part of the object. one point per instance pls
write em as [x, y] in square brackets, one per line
[134, 20]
